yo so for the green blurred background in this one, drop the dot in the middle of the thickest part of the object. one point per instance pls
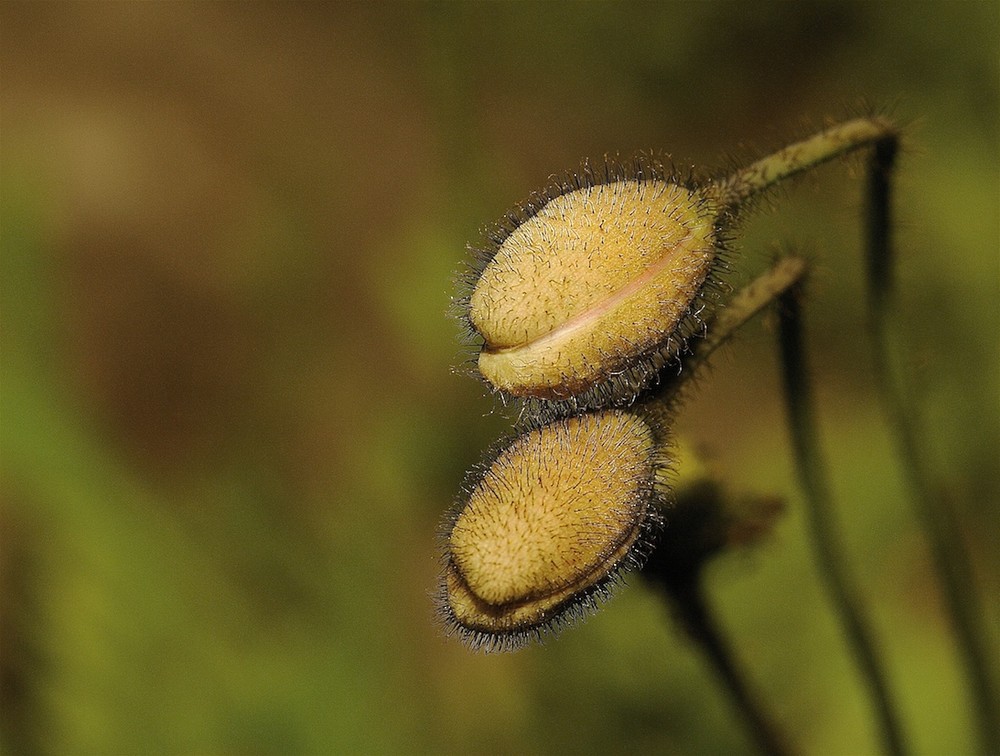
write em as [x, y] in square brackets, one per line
[230, 417]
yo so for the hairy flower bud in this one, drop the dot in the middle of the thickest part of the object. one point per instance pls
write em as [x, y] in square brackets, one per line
[548, 524]
[593, 286]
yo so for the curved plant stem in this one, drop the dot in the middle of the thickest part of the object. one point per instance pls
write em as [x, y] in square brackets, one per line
[689, 602]
[938, 519]
[747, 303]
[676, 567]
[800, 156]
[819, 509]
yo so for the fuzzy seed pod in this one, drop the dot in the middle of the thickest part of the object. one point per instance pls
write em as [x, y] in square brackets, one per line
[545, 527]
[590, 288]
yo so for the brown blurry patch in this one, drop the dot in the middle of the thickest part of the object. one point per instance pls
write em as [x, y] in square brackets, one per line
[221, 177]
[165, 363]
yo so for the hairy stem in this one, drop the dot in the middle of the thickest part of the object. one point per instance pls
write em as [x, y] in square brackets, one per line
[747, 303]
[819, 509]
[938, 520]
[800, 156]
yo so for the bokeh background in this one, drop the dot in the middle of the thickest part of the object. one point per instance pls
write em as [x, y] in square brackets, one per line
[231, 420]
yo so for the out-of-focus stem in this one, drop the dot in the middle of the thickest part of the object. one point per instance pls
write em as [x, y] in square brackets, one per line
[938, 519]
[831, 561]
[689, 602]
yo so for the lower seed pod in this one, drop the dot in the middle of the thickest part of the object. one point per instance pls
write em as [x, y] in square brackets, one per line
[589, 290]
[547, 526]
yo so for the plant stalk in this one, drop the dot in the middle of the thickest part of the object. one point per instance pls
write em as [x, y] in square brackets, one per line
[938, 519]
[689, 603]
[819, 509]
[822, 147]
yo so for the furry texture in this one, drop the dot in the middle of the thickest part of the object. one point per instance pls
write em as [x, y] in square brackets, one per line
[575, 604]
[652, 380]
[618, 380]
[622, 379]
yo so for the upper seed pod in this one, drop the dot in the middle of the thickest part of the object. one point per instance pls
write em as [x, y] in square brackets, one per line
[548, 524]
[587, 290]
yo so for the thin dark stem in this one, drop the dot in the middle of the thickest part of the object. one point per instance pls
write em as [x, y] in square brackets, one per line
[819, 510]
[689, 602]
[938, 519]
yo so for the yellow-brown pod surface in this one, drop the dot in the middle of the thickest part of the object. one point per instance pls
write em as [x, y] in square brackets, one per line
[597, 281]
[555, 516]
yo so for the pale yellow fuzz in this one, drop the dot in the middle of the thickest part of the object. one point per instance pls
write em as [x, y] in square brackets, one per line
[598, 277]
[555, 513]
